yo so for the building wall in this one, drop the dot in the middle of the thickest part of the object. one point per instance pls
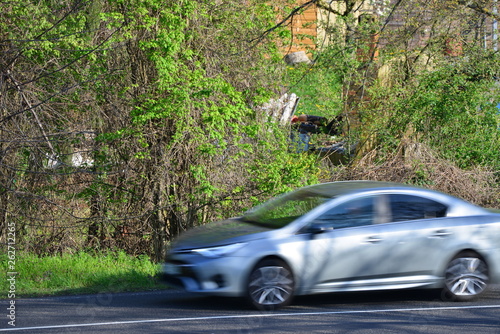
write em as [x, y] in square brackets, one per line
[308, 27]
[304, 30]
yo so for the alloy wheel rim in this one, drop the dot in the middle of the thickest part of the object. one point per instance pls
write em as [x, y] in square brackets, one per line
[467, 276]
[271, 285]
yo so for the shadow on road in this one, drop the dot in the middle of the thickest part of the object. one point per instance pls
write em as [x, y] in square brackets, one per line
[408, 297]
[188, 301]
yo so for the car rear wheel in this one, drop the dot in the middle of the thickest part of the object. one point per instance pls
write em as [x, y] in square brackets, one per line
[270, 285]
[466, 277]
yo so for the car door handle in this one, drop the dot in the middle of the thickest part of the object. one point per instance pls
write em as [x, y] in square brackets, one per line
[374, 239]
[440, 234]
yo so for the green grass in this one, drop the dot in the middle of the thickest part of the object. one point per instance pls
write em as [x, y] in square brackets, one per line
[79, 273]
[319, 88]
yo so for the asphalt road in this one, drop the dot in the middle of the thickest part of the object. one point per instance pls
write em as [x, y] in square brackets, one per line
[172, 311]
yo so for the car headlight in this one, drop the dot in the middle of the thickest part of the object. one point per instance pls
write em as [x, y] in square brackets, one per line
[214, 252]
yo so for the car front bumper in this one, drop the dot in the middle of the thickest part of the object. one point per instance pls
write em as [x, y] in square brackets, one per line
[225, 276]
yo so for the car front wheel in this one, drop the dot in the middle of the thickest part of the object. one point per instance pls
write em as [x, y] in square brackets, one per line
[270, 285]
[466, 277]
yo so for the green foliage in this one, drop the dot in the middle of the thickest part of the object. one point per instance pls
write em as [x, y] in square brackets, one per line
[276, 170]
[318, 85]
[162, 97]
[191, 128]
[451, 108]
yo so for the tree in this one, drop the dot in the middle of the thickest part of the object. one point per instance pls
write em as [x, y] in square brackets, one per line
[125, 123]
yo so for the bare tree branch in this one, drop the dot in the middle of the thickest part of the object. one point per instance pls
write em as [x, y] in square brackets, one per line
[480, 8]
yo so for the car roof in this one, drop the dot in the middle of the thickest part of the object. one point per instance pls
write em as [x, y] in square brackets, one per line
[334, 189]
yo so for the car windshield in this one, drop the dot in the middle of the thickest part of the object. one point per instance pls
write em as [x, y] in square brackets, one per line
[282, 210]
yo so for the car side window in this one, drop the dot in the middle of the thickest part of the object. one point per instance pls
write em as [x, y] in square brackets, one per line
[357, 212]
[407, 207]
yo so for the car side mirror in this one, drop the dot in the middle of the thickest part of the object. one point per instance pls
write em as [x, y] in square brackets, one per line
[318, 228]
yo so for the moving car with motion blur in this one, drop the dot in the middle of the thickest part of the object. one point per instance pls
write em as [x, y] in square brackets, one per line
[342, 236]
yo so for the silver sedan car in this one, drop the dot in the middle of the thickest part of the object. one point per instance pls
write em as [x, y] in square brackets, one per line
[342, 236]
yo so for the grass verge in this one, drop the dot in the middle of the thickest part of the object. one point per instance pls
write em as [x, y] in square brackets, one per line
[79, 273]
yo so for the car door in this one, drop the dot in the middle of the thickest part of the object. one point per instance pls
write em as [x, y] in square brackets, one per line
[417, 234]
[345, 249]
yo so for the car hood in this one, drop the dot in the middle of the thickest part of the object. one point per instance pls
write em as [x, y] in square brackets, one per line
[219, 233]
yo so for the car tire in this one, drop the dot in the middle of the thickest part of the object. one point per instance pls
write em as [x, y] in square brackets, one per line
[270, 285]
[466, 277]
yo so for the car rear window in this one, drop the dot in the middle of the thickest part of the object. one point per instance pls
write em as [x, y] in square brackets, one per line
[407, 207]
